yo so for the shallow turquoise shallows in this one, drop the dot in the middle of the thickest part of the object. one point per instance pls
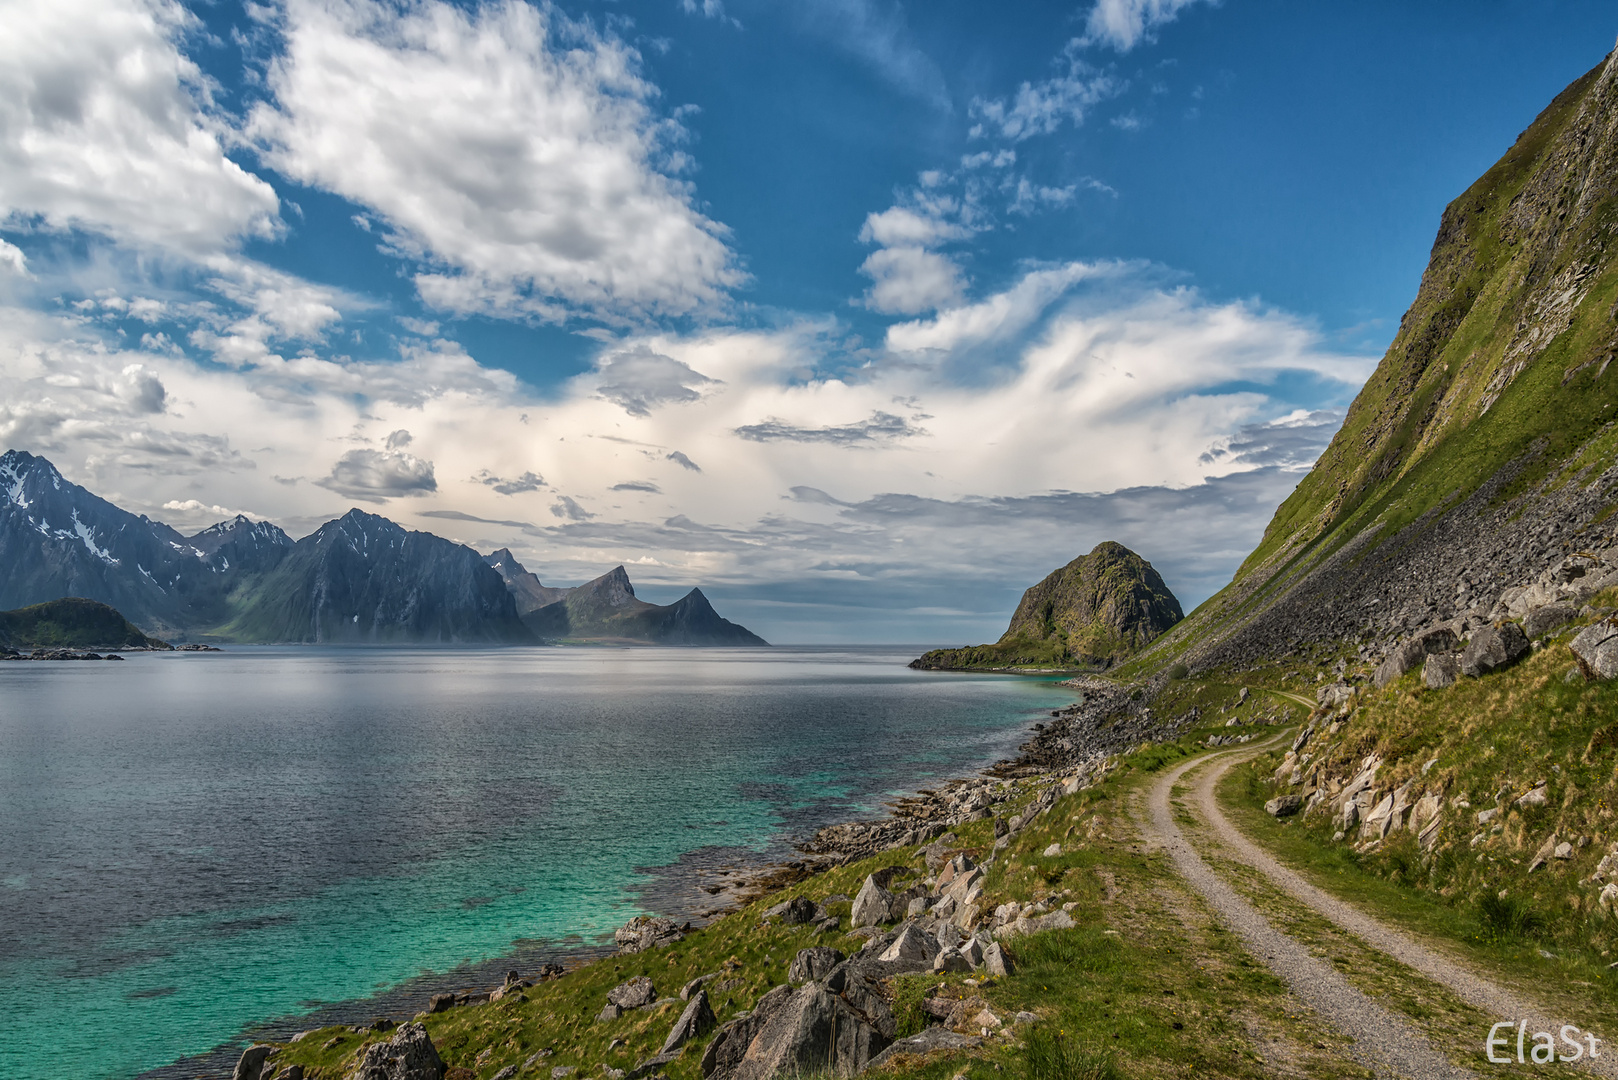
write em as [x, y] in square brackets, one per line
[193, 844]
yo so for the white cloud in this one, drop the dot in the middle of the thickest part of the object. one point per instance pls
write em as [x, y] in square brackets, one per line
[910, 280]
[876, 32]
[1039, 108]
[902, 226]
[513, 154]
[1123, 24]
[12, 260]
[106, 126]
[985, 444]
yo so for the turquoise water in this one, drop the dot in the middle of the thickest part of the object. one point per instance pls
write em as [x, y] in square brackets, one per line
[196, 843]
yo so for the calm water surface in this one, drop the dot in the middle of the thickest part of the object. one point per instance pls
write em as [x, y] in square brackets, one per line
[193, 843]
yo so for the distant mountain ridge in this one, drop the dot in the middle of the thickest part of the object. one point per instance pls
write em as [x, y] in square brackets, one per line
[360, 578]
[607, 609]
[71, 623]
[1096, 611]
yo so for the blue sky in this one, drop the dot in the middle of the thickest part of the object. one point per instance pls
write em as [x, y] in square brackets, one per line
[861, 315]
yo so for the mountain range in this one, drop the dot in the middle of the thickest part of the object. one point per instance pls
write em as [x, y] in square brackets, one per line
[360, 578]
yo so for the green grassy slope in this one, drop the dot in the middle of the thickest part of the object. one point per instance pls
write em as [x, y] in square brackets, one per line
[1503, 359]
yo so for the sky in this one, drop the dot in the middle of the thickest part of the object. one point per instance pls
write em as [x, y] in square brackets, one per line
[863, 316]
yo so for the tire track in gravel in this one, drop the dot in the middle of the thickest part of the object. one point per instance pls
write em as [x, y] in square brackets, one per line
[1382, 1041]
[1481, 993]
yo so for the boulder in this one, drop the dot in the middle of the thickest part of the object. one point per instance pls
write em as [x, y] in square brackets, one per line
[1056, 920]
[1284, 805]
[794, 912]
[1542, 620]
[1564, 850]
[1053, 851]
[1492, 648]
[634, 994]
[408, 1055]
[696, 1021]
[1413, 652]
[951, 960]
[727, 1048]
[812, 965]
[1440, 670]
[872, 905]
[1596, 647]
[1377, 823]
[251, 1063]
[696, 984]
[1609, 897]
[648, 932]
[996, 962]
[914, 948]
[1543, 855]
[937, 1037]
[813, 1031]
[1538, 795]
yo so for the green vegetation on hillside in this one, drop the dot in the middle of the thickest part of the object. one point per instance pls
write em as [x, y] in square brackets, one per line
[71, 623]
[1097, 610]
[1503, 359]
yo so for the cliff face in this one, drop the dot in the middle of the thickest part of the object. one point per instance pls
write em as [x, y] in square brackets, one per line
[1097, 610]
[1484, 443]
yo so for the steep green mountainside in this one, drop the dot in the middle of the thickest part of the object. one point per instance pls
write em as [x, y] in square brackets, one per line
[71, 623]
[1495, 394]
[1094, 612]
[607, 610]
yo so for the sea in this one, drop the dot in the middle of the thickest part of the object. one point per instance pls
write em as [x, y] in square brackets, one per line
[199, 848]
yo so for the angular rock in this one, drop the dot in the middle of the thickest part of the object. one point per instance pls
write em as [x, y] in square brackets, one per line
[727, 1048]
[634, 994]
[1379, 820]
[996, 962]
[1596, 648]
[609, 1013]
[813, 1031]
[914, 948]
[1609, 897]
[647, 932]
[1440, 670]
[794, 912]
[251, 1063]
[1492, 648]
[408, 1055]
[951, 960]
[696, 1021]
[1543, 855]
[1284, 805]
[872, 905]
[651, 1065]
[696, 984]
[1538, 795]
[1415, 651]
[812, 965]
[1056, 920]
[1053, 851]
[1563, 850]
[1542, 620]
[937, 1037]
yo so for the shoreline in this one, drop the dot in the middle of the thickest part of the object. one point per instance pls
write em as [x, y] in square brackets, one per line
[705, 884]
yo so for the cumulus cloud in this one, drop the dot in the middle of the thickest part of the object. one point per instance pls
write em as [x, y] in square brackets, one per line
[639, 380]
[106, 126]
[380, 475]
[514, 155]
[1123, 24]
[528, 481]
[911, 280]
[569, 509]
[12, 260]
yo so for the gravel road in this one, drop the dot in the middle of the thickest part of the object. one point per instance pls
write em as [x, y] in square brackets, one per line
[1385, 1043]
[1483, 994]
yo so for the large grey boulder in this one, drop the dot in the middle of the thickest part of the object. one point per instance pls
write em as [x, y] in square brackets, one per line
[914, 949]
[1440, 670]
[634, 994]
[1284, 805]
[251, 1063]
[697, 1020]
[814, 1031]
[1542, 620]
[1024, 924]
[814, 964]
[727, 1048]
[996, 962]
[794, 912]
[1596, 647]
[873, 904]
[409, 1055]
[1492, 648]
[937, 1037]
[1413, 652]
[647, 932]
